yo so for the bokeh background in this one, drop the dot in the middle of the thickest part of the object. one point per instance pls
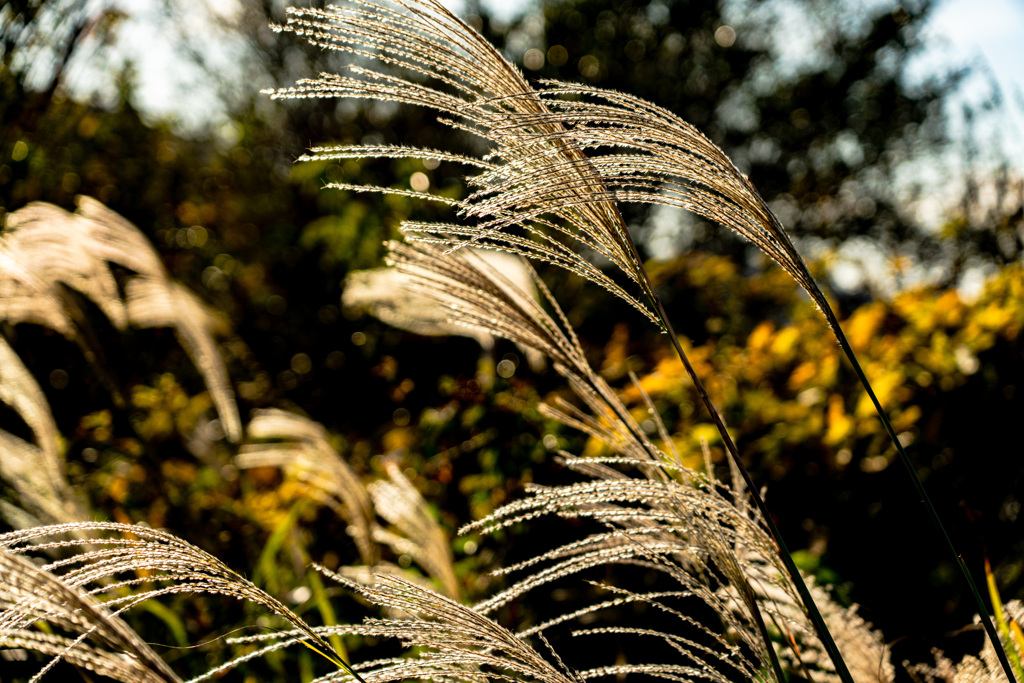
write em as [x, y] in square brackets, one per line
[887, 137]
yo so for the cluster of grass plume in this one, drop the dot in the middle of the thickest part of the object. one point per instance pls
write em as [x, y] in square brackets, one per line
[541, 195]
[560, 159]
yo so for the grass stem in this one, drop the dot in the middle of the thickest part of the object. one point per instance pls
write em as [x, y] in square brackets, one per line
[957, 558]
[787, 559]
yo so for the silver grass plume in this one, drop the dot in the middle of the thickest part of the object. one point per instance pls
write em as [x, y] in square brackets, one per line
[705, 535]
[300, 447]
[681, 531]
[43, 245]
[537, 185]
[43, 248]
[475, 294]
[449, 641]
[486, 95]
[119, 557]
[81, 630]
[382, 293]
[34, 472]
[416, 533]
[20, 390]
[659, 159]
[41, 492]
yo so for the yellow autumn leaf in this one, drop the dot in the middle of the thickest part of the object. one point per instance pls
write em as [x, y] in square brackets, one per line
[840, 424]
[785, 341]
[863, 324]
[759, 338]
[803, 374]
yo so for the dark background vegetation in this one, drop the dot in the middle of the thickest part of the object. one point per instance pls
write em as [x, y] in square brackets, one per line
[254, 235]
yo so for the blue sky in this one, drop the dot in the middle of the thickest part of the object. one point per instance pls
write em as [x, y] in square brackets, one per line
[989, 29]
[989, 35]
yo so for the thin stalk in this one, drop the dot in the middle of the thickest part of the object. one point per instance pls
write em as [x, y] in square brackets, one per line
[787, 559]
[957, 558]
[1004, 629]
[763, 630]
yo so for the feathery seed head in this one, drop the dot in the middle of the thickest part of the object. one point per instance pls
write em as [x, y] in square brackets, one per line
[91, 581]
[562, 155]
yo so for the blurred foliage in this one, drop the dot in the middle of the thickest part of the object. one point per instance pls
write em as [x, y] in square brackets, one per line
[251, 232]
[821, 138]
[783, 382]
[947, 371]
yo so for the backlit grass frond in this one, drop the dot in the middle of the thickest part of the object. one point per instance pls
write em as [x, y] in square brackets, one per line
[43, 248]
[418, 534]
[450, 68]
[685, 532]
[34, 472]
[472, 293]
[475, 293]
[78, 629]
[561, 154]
[41, 494]
[59, 247]
[646, 154]
[48, 246]
[117, 559]
[20, 390]
[705, 535]
[300, 447]
[383, 293]
[154, 302]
